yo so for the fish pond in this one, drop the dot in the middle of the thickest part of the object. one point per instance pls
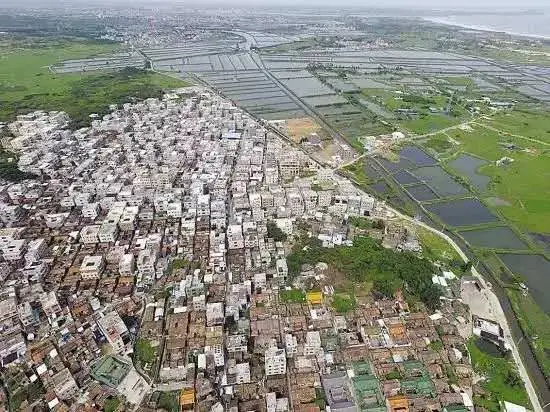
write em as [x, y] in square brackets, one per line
[421, 193]
[468, 167]
[462, 212]
[440, 181]
[501, 237]
[535, 269]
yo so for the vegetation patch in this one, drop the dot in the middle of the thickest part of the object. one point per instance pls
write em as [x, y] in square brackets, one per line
[501, 379]
[368, 261]
[343, 303]
[535, 324]
[274, 232]
[440, 143]
[28, 85]
[144, 351]
[169, 401]
[293, 295]
[356, 172]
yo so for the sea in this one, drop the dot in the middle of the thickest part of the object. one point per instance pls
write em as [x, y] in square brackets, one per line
[531, 24]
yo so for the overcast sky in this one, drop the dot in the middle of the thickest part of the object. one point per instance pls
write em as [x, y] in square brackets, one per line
[440, 4]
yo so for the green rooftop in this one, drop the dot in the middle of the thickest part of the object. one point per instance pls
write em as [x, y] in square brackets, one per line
[110, 370]
[422, 385]
[367, 392]
[362, 368]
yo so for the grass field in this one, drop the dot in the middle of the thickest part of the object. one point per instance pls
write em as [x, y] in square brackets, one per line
[523, 185]
[26, 84]
[356, 172]
[501, 379]
[535, 125]
[430, 123]
[435, 247]
[426, 121]
[440, 143]
[535, 324]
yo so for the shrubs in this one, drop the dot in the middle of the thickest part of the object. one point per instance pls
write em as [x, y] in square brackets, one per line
[366, 261]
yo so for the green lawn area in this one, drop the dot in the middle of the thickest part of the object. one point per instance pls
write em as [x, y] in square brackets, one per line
[26, 84]
[426, 122]
[502, 379]
[430, 123]
[343, 303]
[293, 295]
[524, 184]
[440, 143]
[535, 324]
[535, 125]
[356, 172]
[435, 247]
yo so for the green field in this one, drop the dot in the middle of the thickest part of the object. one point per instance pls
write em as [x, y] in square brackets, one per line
[535, 324]
[435, 247]
[425, 121]
[534, 125]
[26, 84]
[523, 186]
[501, 379]
[430, 123]
[356, 172]
[440, 143]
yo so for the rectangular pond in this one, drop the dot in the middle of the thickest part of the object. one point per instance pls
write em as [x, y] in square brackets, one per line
[394, 167]
[421, 192]
[462, 212]
[467, 166]
[535, 269]
[417, 156]
[501, 237]
[440, 181]
[405, 178]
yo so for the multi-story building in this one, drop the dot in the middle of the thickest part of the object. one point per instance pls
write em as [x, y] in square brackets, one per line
[275, 361]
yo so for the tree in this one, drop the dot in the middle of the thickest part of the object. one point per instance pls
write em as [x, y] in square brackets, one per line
[111, 404]
[430, 296]
[385, 287]
[513, 379]
[144, 351]
[274, 232]
[169, 401]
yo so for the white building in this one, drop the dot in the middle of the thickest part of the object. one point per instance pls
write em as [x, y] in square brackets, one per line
[108, 233]
[291, 345]
[275, 361]
[115, 331]
[90, 210]
[312, 344]
[235, 239]
[90, 234]
[92, 267]
[126, 265]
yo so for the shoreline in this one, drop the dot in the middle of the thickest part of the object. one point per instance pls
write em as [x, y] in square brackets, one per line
[447, 22]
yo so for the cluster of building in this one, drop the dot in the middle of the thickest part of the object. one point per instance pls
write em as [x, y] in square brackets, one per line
[180, 196]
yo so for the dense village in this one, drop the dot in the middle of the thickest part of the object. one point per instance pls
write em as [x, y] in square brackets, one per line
[145, 268]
